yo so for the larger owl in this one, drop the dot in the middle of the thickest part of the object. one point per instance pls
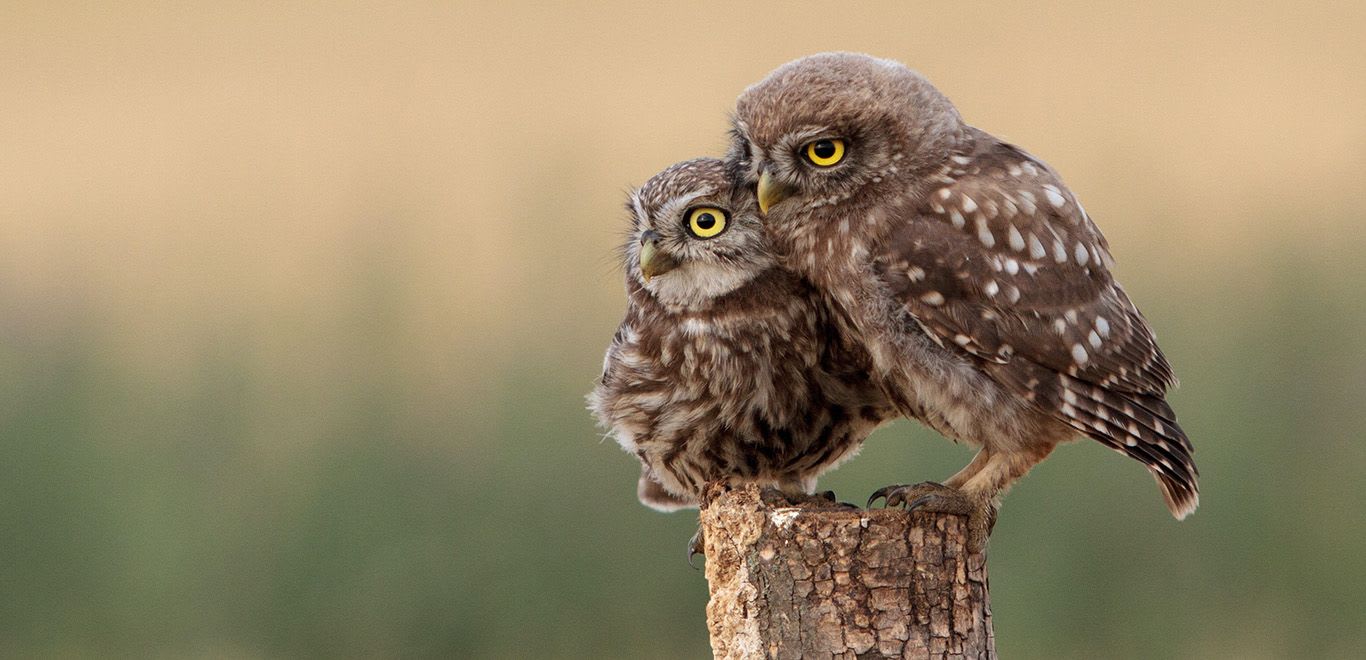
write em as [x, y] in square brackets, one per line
[726, 367]
[966, 269]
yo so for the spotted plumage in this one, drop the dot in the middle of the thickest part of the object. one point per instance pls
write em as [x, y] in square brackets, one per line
[727, 367]
[965, 267]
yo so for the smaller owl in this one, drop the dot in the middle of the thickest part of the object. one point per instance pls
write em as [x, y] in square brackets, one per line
[726, 367]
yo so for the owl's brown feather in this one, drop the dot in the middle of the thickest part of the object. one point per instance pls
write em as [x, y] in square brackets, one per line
[743, 391]
[1002, 263]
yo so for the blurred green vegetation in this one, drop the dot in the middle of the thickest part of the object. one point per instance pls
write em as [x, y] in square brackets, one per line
[142, 516]
[298, 307]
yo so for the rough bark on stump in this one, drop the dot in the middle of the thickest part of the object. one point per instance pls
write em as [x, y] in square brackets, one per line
[802, 582]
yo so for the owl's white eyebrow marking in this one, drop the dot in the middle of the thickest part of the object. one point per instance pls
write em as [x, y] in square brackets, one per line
[801, 136]
[677, 204]
[642, 219]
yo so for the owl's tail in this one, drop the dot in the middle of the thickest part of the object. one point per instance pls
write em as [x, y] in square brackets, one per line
[1142, 427]
[1183, 496]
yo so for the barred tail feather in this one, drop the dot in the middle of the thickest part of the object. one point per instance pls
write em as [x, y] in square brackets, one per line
[1183, 496]
[1142, 427]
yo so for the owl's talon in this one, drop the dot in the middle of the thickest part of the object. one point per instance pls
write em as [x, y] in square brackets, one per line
[898, 495]
[695, 547]
[880, 494]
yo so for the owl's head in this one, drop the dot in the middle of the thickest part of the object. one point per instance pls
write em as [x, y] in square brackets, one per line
[818, 130]
[695, 235]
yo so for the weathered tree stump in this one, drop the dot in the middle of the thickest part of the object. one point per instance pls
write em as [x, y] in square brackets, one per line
[811, 582]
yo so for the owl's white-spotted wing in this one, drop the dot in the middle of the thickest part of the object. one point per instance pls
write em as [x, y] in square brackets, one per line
[1003, 264]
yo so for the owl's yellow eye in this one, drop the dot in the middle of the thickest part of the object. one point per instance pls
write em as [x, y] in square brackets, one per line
[824, 153]
[706, 221]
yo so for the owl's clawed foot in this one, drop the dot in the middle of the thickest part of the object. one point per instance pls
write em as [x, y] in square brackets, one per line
[905, 494]
[696, 547]
[938, 498]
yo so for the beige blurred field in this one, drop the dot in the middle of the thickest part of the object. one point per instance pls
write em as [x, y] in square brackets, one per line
[298, 304]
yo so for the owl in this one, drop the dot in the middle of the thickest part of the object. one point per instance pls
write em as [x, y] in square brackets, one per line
[726, 367]
[967, 271]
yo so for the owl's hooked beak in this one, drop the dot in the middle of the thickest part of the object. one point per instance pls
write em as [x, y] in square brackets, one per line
[771, 191]
[653, 262]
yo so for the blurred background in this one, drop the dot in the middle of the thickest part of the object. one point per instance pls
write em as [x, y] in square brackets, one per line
[298, 306]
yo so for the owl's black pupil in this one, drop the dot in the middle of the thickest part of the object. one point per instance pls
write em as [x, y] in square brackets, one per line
[706, 221]
[824, 149]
